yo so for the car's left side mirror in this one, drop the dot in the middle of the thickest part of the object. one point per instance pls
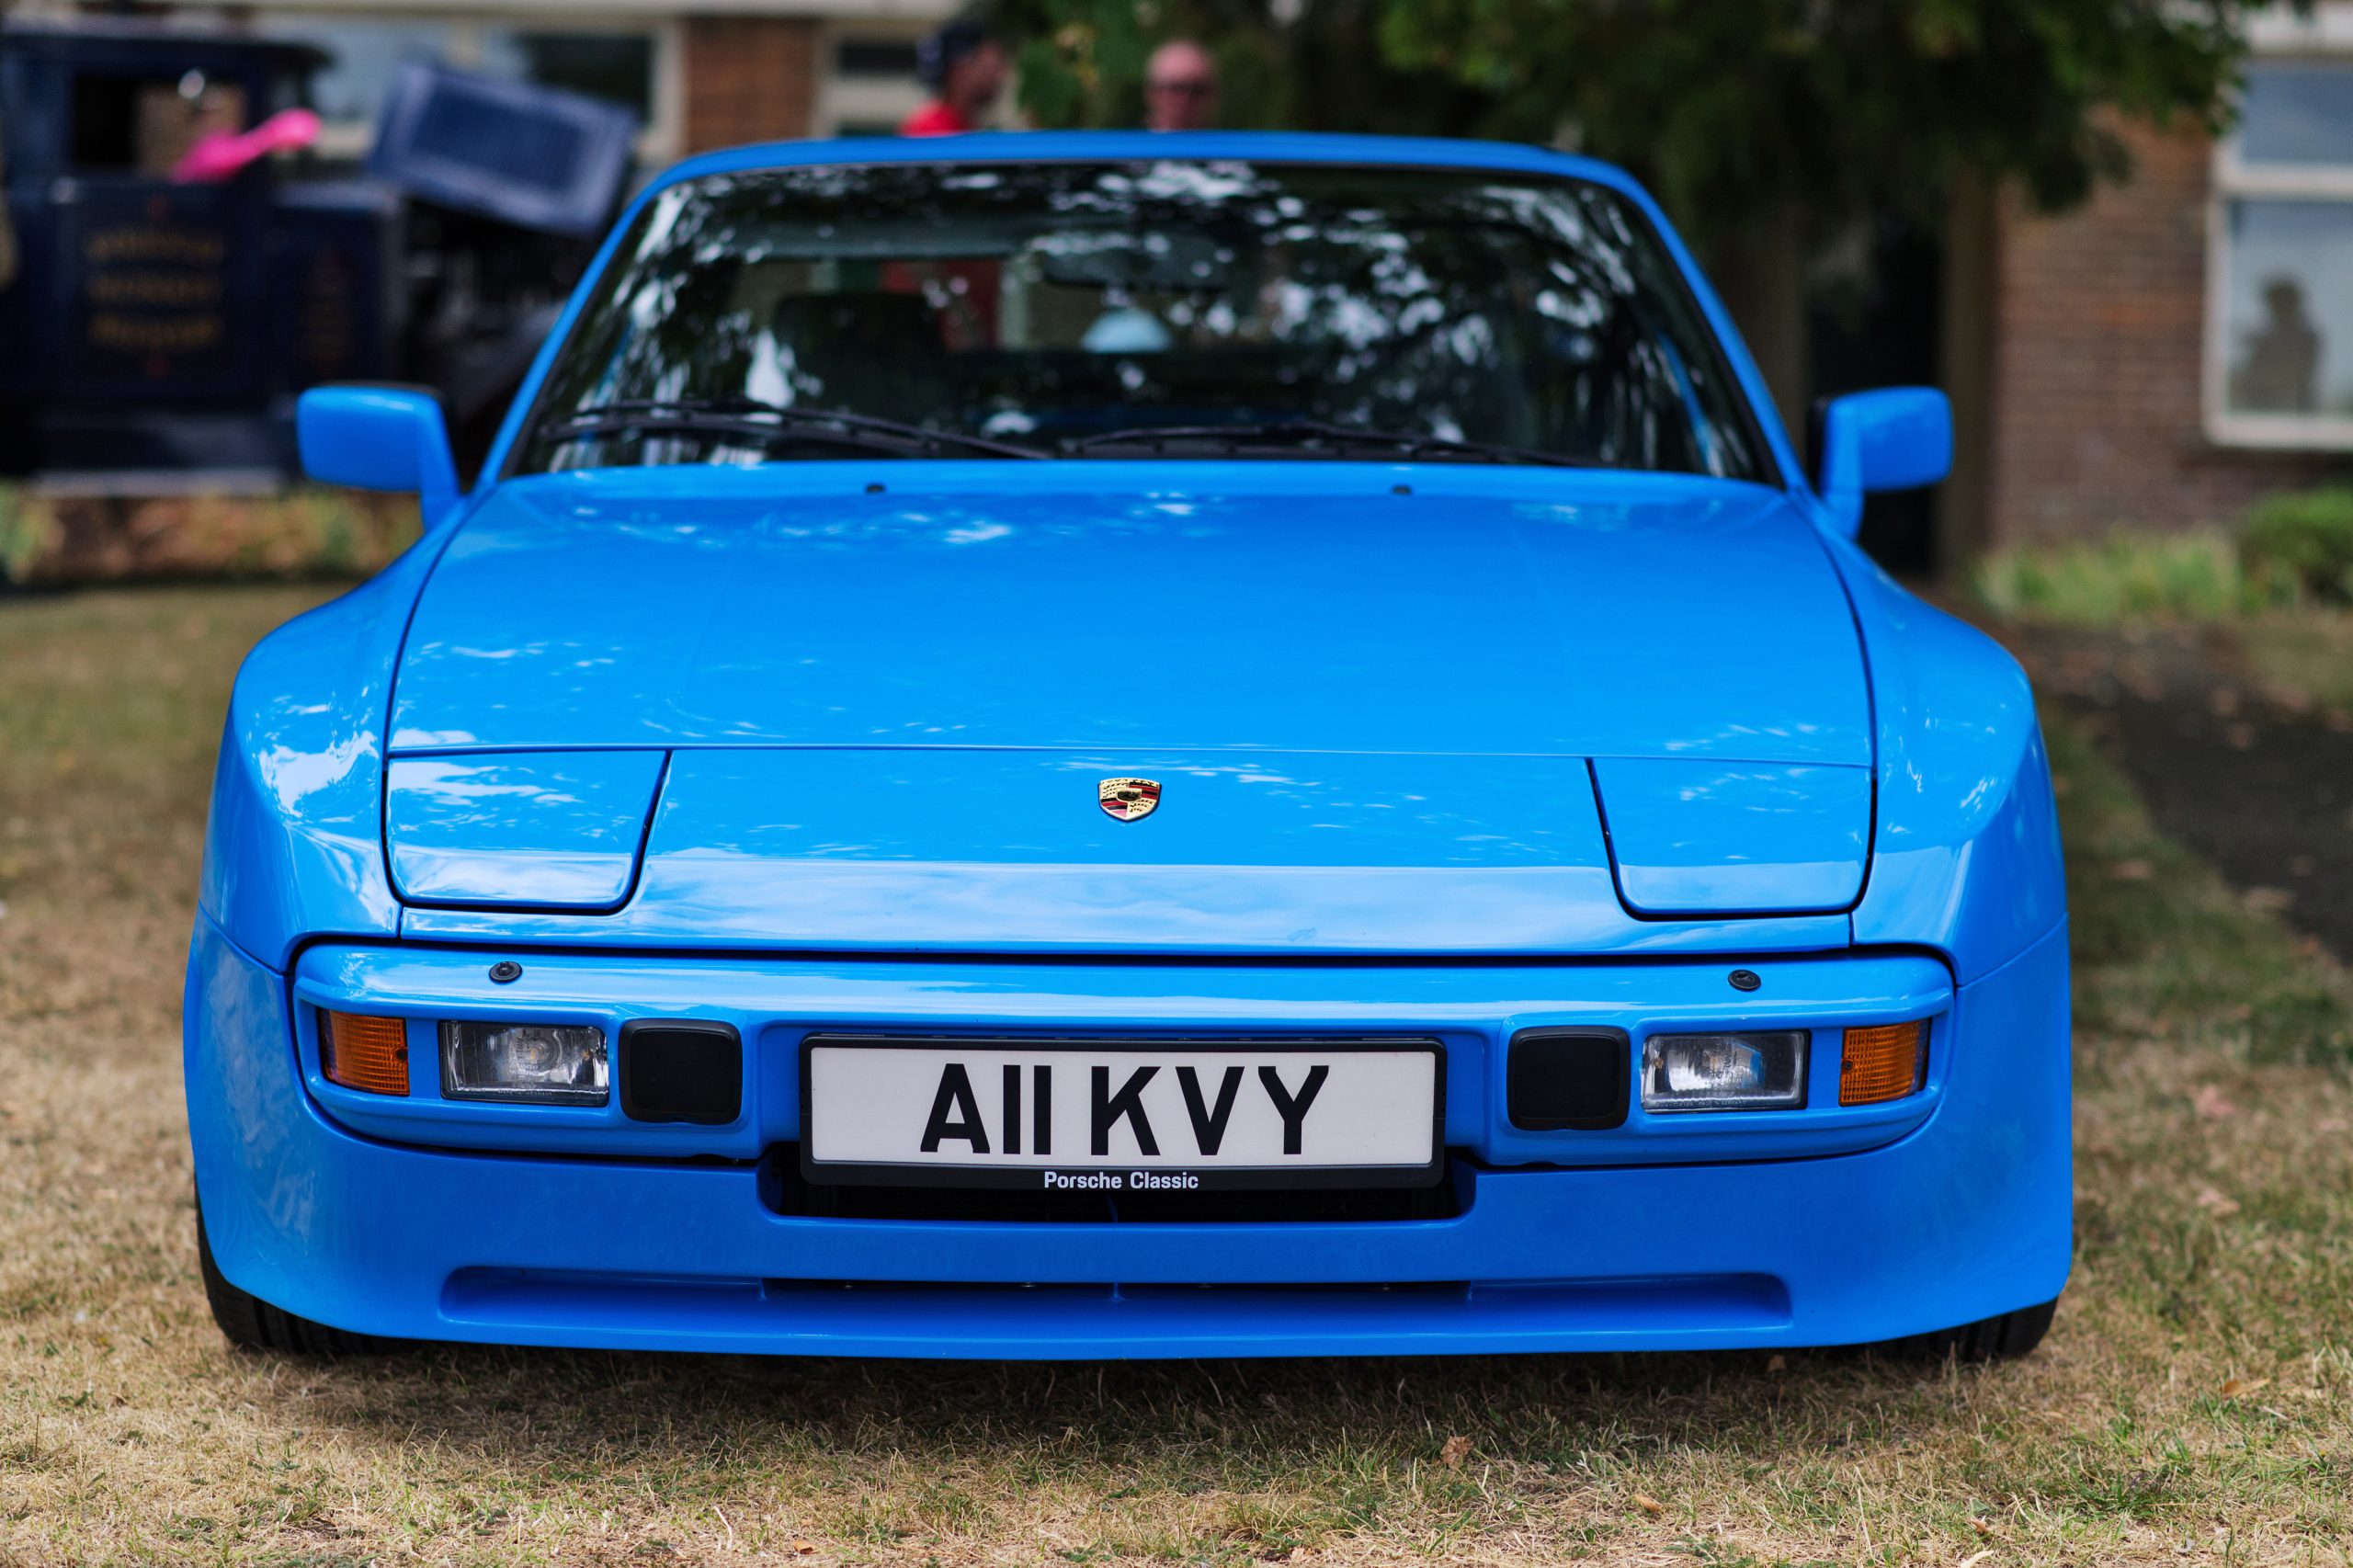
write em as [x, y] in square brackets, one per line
[1899, 438]
[380, 438]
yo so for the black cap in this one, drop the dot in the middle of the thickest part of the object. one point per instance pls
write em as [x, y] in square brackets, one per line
[937, 54]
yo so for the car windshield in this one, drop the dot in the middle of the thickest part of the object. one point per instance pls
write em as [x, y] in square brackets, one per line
[1174, 308]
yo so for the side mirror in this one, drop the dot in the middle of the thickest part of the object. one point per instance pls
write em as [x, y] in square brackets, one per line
[380, 438]
[1899, 439]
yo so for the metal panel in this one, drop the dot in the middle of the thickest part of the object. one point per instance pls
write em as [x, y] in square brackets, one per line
[1735, 837]
[518, 830]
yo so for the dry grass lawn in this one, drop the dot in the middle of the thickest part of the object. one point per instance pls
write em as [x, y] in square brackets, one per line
[2194, 1402]
[2302, 659]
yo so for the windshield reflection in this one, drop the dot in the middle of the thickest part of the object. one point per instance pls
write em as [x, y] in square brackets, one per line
[1068, 309]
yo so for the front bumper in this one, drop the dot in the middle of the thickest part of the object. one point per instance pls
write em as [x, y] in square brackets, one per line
[1695, 1233]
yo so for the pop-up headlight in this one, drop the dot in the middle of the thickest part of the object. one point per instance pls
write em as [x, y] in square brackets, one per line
[533, 1064]
[1724, 1071]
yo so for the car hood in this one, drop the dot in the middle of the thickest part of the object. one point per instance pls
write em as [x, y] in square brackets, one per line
[1485, 717]
[1603, 615]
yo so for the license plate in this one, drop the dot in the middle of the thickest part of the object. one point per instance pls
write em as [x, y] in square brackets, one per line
[1116, 1116]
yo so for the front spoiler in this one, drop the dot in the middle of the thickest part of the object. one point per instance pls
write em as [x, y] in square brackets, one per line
[1962, 1218]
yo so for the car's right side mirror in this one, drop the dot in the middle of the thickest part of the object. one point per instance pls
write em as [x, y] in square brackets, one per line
[378, 439]
[1898, 438]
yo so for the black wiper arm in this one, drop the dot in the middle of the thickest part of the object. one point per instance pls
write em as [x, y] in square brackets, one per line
[750, 420]
[1308, 431]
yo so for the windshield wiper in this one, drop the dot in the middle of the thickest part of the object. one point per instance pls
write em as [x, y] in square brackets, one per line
[749, 420]
[1295, 433]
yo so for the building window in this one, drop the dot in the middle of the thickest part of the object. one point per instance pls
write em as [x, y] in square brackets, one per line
[615, 66]
[871, 86]
[892, 59]
[2279, 308]
[629, 64]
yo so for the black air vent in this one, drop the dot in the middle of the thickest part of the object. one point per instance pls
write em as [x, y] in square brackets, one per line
[1567, 1080]
[674, 1071]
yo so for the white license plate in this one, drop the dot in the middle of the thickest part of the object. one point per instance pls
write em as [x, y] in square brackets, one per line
[1093, 1116]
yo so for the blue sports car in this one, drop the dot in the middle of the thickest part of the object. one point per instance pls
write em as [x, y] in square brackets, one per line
[1130, 745]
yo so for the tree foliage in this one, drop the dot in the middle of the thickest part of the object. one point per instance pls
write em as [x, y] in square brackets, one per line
[1301, 65]
[1833, 107]
[1729, 109]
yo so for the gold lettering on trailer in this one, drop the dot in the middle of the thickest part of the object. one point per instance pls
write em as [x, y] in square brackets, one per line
[170, 288]
[193, 247]
[149, 335]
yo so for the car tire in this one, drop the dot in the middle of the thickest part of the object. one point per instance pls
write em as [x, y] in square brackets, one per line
[2003, 1337]
[251, 1323]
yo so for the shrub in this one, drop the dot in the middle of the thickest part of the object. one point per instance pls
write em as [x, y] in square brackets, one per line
[27, 533]
[2300, 544]
[2191, 577]
[302, 533]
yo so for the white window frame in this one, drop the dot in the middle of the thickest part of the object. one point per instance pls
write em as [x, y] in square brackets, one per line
[2325, 37]
[848, 100]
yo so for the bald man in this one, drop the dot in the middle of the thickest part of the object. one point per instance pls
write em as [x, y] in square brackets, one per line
[1179, 87]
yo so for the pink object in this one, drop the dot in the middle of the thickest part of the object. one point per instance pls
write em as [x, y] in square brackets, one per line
[219, 154]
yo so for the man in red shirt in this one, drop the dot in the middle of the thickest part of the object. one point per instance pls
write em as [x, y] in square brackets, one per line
[965, 68]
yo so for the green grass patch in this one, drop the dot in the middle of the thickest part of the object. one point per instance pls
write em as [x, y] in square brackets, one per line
[2292, 551]
[2160, 946]
[2279, 596]
[2191, 577]
[303, 533]
[2300, 543]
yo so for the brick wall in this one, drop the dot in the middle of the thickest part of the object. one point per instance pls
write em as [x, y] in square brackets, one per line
[2094, 386]
[748, 79]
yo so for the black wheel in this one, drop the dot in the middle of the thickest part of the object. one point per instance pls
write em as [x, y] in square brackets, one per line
[2003, 1338]
[252, 1323]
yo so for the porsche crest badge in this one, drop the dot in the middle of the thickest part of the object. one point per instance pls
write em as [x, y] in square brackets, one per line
[1129, 800]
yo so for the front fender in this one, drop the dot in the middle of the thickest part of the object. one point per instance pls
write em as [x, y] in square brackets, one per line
[294, 848]
[1965, 841]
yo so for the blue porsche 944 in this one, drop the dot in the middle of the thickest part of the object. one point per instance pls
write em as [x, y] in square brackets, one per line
[1128, 745]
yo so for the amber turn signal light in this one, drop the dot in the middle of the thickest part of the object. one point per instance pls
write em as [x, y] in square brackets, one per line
[369, 1054]
[1883, 1061]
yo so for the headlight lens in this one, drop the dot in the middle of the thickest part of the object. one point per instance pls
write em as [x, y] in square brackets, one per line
[534, 1063]
[1724, 1071]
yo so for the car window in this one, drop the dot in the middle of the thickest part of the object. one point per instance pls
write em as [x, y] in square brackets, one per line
[1076, 310]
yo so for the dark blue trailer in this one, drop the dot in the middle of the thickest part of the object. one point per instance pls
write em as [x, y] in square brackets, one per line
[155, 334]
[159, 328]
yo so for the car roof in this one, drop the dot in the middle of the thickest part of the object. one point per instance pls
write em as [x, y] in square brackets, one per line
[1115, 146]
